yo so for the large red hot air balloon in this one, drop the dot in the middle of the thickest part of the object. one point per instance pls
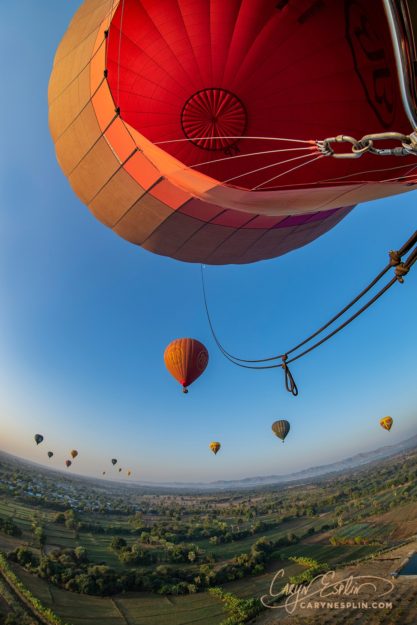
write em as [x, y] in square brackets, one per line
[186, 359]
[189, 127]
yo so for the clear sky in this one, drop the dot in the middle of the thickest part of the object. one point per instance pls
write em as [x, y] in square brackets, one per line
[85, 317]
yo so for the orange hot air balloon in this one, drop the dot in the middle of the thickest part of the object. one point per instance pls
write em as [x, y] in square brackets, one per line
[186, 359]
[214, 446]
[386, 423]
[129, 473]
[197, 129]
[74, 453]
[68, 463]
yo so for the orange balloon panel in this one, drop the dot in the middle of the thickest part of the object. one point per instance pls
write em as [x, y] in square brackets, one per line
[186, 359]
[168, 119]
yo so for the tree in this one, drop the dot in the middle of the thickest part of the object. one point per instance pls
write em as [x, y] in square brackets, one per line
[40, 535]
[239, 611]
[117, 543]
[192, 556]
[136, 521]
[71, 520]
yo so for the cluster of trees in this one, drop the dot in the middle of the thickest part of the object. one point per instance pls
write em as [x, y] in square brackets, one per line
[239, 611]
[72, 520]
[136, 554]
[16, 614]
[72, 570]
[17, 617]
[131, 554]
[313, 568]
[8, 527]
[38, 531]
[354, 540]
[36, 606]
[68, 518]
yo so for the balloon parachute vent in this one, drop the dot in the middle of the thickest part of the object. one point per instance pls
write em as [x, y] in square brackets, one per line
[214, 119]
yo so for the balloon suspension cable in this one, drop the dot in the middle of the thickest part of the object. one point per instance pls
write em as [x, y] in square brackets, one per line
[401, 268]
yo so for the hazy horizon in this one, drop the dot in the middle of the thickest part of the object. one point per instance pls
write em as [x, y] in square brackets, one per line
[113, 476]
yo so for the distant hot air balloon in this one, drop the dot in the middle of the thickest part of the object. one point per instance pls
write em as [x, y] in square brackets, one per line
[120, 469]
[186, 359]
[104, 473]
[190, 128]
[386, 423]
[74, 453]
[38, 438]
[214, 446]
[114, 461]
[129, 473]
[281, 428]
[68, 463]
[50, 454]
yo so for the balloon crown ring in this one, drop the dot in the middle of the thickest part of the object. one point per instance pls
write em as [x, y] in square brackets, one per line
[214, 119]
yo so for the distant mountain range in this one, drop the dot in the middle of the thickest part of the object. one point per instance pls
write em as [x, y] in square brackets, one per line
[336, 467]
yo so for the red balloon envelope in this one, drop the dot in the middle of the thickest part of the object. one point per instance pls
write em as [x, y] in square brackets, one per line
[189, 127]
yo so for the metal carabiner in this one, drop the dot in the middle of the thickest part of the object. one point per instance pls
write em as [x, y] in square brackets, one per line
[326, 148]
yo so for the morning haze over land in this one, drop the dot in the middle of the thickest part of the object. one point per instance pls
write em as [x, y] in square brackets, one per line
[114, 551]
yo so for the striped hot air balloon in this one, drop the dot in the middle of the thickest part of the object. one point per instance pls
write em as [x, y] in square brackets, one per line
[281, 428]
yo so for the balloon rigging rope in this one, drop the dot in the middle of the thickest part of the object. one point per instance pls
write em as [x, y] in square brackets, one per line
[261, 153]
[288, 171]
[254, 171]
[107, 34]
[119, 52]
[310, 142]
[311, 146]
[401, 269]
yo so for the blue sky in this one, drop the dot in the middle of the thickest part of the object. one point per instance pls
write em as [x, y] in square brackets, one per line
[85, 317]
